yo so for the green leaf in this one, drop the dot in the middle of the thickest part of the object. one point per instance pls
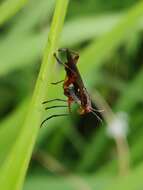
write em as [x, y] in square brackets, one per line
[15, 165]
[9, 8]
[11, 127]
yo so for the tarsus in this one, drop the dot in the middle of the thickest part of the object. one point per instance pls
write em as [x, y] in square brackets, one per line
[59, 106]
[52, 116]
[54, 83]
[56, 99]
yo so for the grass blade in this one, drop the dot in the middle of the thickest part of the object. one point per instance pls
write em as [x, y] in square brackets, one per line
[15, 166]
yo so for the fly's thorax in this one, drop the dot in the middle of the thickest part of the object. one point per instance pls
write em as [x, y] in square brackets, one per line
[73, 94]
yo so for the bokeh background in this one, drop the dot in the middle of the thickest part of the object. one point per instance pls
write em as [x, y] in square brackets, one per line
[79, 152]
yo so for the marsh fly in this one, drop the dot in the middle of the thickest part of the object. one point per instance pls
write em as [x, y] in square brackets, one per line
[73, 86]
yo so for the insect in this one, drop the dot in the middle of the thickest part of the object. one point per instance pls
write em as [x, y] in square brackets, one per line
[72, 96]
[73, 86]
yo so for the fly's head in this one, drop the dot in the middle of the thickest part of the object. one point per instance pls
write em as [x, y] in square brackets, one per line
[70, 55]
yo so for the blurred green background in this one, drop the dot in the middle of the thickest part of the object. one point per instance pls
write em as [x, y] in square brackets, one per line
[77, 152]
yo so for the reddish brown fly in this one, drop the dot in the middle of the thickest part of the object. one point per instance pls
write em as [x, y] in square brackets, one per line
[73, 86]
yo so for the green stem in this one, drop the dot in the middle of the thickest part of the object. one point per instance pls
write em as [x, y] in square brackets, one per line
[15, 166]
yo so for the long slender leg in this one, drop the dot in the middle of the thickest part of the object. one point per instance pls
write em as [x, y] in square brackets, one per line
[52, 116]
[59, 106]
[56, 99]
[58, 60]
[54, 83]
[70, 100]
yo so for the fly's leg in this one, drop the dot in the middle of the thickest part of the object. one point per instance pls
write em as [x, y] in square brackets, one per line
[58, 106]
[56, 99]
[58, 60]
[55, 83]
[70, 100]
[52, 116]
[68, 94]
